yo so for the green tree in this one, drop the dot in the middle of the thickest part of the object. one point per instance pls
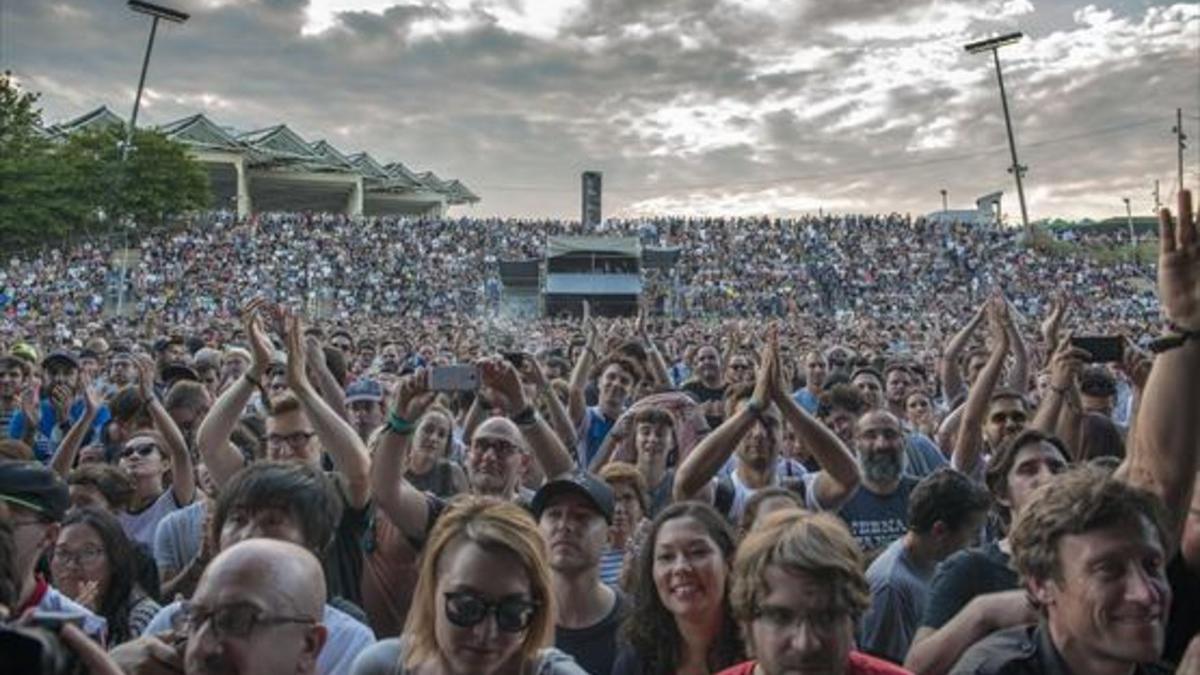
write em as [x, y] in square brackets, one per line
[156, 181]
[37, 197]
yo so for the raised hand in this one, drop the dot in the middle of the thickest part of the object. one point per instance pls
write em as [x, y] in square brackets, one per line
[31, 402]
[1179, 265]
[297, 375]
[145, 383]
[1053, 322]
[499, 375]
[1065, 364]
[413, 397]
[767, 379]
[93, 395]
[998, 320]
[314, 351]
[1136, 364]
[260, 346]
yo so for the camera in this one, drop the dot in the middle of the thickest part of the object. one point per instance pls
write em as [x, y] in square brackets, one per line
[36, 649]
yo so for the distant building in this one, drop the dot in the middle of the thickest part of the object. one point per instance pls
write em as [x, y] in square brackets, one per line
[986, 212]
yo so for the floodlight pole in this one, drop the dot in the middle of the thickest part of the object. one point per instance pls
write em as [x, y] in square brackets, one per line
[944, 206]
[155, 12]
[1016, 169]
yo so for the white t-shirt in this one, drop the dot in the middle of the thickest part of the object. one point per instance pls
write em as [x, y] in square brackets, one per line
[140, 526]
[347, 637]
[54, 601]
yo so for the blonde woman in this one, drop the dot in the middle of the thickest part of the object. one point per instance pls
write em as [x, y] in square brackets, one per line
[482, 605]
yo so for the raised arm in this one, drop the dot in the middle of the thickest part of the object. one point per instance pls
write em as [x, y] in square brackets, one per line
[576, 404]
[1163, 454]
[949, 370]
[339, 439]
[969, 444]
[547, 448]
[64, 457]
[840, 475]
[332, 391]
[1018, 377]
[401, 502]
[212, 436]
[531, 372]
[1065, 365]
[183, 475]
[654, 359]
[710, 454]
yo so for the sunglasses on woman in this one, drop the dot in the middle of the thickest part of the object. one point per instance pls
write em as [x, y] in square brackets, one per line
[466, 609]
[144, 450]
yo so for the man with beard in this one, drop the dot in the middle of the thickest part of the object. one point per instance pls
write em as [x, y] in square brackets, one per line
[752, 432]
[706, 385]
[878, 513]
[60, 407]
[617, 377]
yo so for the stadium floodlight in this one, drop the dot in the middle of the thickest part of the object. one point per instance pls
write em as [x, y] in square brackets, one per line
[993, 45]
[158, 11]
[155, 12]
[984, 45]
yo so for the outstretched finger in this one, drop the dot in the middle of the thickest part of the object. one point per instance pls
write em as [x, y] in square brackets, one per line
[1166, 232]
[1186, 228]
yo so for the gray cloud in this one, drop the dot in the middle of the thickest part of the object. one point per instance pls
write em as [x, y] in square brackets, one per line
[766, 109]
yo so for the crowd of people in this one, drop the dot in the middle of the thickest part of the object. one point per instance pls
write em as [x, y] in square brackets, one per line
[863, 445]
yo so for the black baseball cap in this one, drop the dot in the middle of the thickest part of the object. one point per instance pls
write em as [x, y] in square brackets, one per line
[61, 358]
[582, 483]
[34, 486]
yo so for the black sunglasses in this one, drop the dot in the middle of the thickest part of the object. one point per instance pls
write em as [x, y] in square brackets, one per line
[513, 615]
[144, 449]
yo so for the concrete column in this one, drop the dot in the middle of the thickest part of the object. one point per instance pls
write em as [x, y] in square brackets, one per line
[354, 204]
[244, 207]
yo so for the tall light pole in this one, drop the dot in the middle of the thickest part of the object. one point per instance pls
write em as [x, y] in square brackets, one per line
[944, 207]
[155, 12]
[993, 45]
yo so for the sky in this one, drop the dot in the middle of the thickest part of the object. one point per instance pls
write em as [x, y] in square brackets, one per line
[688, 107]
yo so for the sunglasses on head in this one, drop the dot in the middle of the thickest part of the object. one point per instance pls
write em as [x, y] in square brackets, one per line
[466, 609]
[144, 449]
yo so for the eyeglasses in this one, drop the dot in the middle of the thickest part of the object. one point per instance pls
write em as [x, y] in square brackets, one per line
[238, 620]
[85, 557]
[783, 618]
[296, 440]
[466, 609]
[144, 449]
[499, 447]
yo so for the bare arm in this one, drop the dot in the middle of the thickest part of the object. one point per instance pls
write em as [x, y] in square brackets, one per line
[183, 475]
[951, 373]
[1018, 377]
[332, 391]
[546, 446]
[579, 377]
[64, 456]
[339, 439]
[969, 444]
[934, 652]
[1162, 457]
[212, 436]
[532, 371]
[399, 500]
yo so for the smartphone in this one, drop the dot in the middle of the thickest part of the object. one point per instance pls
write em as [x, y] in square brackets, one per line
[462, 377]
[1103, 349]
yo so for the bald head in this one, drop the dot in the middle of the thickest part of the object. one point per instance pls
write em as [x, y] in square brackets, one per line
[284, 574]
[501, 428]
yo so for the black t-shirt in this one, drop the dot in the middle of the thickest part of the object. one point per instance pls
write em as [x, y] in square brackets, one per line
[1184, 620]
[964, 575]
[343, 565]
[704, 394]
[877, 520]
[595, 647]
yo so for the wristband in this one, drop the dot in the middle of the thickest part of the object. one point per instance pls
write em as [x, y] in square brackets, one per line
[399, 426]
[251, 379]
[1172, 340]
[754, 405]
[525, 418]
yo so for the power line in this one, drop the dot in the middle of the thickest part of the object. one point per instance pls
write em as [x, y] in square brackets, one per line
[873, 168]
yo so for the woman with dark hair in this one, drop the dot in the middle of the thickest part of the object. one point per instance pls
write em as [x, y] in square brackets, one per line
[429, 467]
[682, 622]
[94, 564]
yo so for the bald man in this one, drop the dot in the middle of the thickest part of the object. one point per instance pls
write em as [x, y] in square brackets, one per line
[258, 609]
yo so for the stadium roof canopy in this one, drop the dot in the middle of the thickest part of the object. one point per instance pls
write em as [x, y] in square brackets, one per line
[276, 168]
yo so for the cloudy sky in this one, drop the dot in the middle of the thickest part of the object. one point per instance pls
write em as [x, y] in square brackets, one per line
[687, 106]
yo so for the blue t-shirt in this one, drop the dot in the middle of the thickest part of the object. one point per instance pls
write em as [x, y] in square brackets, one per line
[591, 435]
[878, 520]
[50, 429]
[805, 399]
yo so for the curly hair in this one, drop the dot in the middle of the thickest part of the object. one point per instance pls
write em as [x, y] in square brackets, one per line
[1005, 458]
[650, 628]
[1083, 499]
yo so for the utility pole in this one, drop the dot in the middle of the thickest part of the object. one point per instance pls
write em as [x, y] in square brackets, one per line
[1157, 199]
[993, 45]
[1180, 137]
[944, 207]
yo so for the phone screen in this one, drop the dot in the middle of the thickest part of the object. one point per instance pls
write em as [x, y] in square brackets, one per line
[1103, 349]
[463, 377]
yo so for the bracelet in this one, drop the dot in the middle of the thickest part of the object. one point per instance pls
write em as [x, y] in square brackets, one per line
[525, 418]
[399, 426]
[252, 380]
[754, 405]
[1172, 340]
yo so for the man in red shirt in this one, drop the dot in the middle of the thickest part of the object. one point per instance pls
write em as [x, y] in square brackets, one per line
[798, 591]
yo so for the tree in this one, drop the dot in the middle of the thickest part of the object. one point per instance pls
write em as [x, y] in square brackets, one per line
[157, 180]
[37, 201]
